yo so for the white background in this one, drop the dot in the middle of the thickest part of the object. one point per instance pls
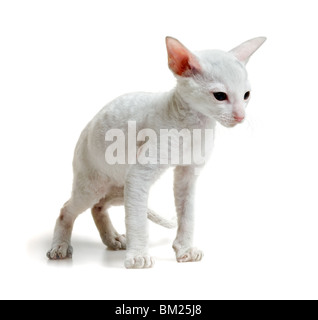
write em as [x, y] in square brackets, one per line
[62, 61]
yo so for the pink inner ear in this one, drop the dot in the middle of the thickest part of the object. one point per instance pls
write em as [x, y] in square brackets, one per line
[181, 61]
[244, 51]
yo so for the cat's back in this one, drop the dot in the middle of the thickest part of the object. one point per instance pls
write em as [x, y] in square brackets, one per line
[136, 107]
[130, 106]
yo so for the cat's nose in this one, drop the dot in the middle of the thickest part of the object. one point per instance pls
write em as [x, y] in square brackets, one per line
[238, 118]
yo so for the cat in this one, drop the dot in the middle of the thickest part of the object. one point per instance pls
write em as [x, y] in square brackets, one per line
[212, 86]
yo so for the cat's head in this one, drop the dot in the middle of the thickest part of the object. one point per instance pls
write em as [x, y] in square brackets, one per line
[213, 82]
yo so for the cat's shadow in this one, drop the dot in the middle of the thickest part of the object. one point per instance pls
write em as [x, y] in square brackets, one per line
[86, 251]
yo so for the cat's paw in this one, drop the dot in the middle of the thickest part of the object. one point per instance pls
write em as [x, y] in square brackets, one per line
[115, 241]
[139, 262]
[61, 251]
[189, 255]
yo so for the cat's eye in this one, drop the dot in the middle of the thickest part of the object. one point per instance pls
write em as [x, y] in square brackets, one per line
[220, 96]
[247, 95]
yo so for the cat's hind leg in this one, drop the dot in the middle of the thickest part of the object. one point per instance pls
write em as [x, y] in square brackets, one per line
[81, 200]
[61, 245]
[110, 237]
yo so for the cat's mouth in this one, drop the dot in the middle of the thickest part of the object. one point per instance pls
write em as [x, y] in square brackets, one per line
[227, 121]
[229, 125]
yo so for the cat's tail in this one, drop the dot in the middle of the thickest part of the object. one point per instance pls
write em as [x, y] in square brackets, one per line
[156, 218]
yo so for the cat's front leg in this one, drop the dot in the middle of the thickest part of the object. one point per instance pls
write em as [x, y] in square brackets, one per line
[138, 182]
[184, 187]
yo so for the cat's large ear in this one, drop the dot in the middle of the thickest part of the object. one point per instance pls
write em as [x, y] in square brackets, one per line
[181, 61]
[244, 51]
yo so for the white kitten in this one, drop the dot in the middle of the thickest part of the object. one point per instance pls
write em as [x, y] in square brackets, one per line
[211, 86]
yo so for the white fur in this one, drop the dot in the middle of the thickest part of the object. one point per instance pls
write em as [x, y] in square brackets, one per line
[192, 105]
